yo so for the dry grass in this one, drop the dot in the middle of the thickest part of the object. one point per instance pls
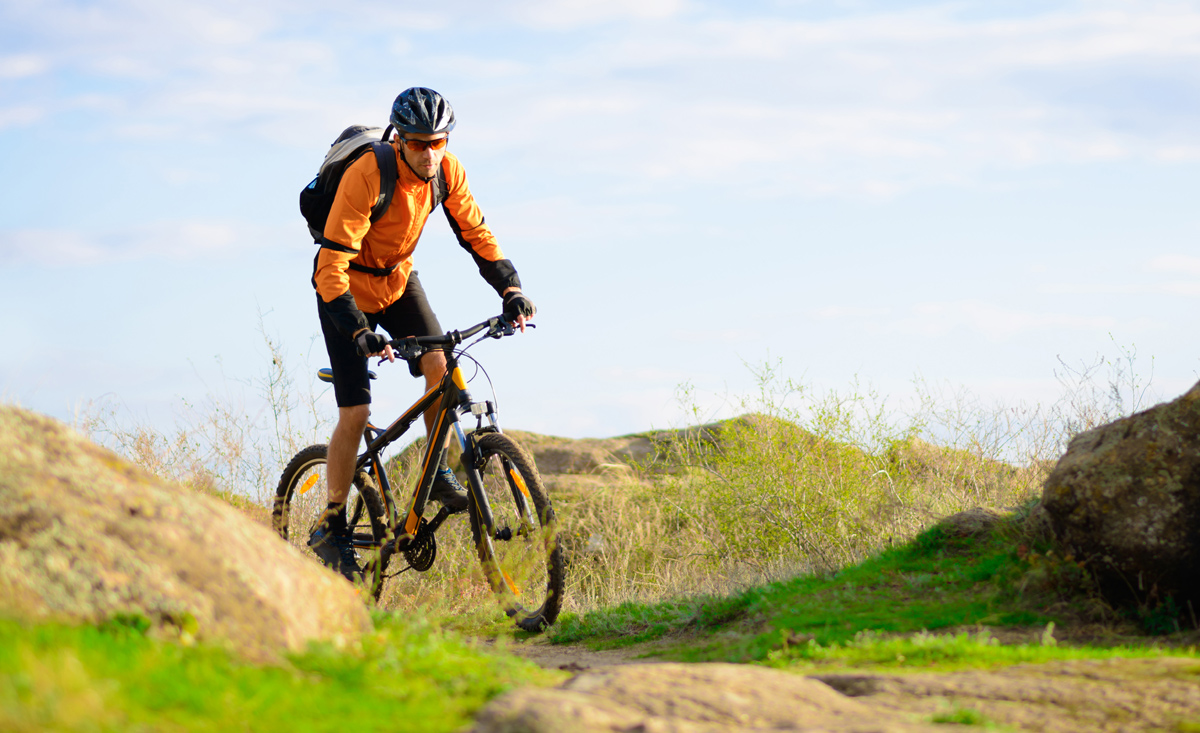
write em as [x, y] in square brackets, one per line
[223, 446]
[678, 531]
[803, 481]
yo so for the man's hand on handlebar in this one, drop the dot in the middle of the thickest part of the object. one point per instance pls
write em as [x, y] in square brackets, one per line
[372, 344]
[518, 308]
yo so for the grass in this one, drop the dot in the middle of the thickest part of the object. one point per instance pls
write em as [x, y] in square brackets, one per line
[800, 497]
[806, 481]
[961, 716]
[116, 678]
[886, 611]
[795, 536]
[932, 583]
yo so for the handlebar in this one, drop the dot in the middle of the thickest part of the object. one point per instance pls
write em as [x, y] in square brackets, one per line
[414, 346]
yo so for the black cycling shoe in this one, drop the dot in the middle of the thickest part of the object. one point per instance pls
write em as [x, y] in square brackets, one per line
[336, 551]
[448, 491]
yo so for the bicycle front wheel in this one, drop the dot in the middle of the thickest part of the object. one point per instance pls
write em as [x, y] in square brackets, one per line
[520, 554]
[300, 500]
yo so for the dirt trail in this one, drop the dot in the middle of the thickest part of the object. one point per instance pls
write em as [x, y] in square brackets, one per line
[1084, 695]
[574, 657]
[616, 690]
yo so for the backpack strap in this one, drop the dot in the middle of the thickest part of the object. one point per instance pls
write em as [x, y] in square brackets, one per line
[439, 186]
[376, 271]
[385, 157]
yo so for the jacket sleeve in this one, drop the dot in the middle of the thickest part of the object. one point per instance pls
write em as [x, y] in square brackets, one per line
[472, 231]
[346, 316]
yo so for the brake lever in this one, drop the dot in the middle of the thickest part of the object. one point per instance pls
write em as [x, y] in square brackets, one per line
[504, 328]
[500, 328]
[408, 349]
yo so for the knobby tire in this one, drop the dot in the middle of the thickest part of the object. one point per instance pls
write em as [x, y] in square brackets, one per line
[524, 565]
[300, 500]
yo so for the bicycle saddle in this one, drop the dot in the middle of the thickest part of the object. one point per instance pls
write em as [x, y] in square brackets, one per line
[325, 374]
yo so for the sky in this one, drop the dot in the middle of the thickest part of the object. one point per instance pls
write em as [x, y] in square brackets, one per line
[968, 193]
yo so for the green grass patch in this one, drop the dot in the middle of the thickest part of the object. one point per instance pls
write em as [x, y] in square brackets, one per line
[632, 623]
[885, 611]
[962, 716]
[934, 582]
[944, 652]
[931, 583]
[116, 678]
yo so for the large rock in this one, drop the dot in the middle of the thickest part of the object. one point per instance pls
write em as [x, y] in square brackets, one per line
[1126, 500]
[686, 698]
[975, 522]
[85, 535]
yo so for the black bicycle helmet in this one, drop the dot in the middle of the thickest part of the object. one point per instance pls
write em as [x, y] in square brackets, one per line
[422, 111]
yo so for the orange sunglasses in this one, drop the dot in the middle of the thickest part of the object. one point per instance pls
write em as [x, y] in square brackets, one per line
[420, 146]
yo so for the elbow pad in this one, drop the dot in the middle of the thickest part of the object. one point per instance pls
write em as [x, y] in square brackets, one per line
[346, 316]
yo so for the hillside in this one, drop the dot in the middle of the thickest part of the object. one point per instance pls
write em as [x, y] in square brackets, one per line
[879, 615]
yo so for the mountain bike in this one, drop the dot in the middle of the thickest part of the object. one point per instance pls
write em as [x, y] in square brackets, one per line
[512, 522]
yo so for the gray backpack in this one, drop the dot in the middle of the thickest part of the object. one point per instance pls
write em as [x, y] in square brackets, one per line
[316, 199]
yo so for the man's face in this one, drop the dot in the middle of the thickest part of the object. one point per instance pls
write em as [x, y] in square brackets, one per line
[424, 162]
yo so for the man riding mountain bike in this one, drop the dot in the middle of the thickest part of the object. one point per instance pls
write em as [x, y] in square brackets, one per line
[364, 278]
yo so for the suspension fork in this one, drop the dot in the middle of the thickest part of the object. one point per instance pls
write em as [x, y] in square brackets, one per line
[458, 400]
[471, 461]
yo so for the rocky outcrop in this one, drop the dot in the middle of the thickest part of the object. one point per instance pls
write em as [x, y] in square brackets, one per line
[974, 522]
[1067, 696]
[686, 698]
[1125, 499]
[85, 536]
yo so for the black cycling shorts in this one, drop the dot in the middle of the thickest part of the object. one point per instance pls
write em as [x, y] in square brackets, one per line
[408, 316]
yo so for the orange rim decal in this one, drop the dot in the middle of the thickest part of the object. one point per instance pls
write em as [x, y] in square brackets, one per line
[308, 484]
[519, 481]
[511, 585]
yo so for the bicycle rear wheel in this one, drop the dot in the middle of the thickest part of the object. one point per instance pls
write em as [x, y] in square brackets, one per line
[300, 500]
[521, 557]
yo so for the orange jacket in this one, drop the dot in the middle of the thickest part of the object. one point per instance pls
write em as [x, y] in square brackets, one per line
[391, 240]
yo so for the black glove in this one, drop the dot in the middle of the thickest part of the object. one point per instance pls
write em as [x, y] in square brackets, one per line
[516, 304]
[369, 342]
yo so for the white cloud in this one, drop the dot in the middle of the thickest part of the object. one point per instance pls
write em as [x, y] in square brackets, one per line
[1186, 289]
[643, 375]
[171, 240]
[22, 65]
[992, 321]
[831, 312]
[714, 337]
[20, 115]
[864, 104]
[1092, 288]
[1178, 153]
[562, 14]
[1177, 264]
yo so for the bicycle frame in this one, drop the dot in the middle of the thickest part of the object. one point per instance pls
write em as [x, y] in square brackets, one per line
[455, 400]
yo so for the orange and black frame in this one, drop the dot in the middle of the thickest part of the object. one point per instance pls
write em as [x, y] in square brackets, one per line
[519, 550]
